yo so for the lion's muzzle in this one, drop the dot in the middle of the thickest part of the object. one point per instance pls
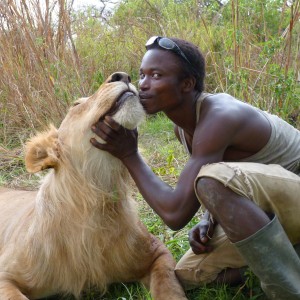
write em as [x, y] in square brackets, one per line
[119, 102]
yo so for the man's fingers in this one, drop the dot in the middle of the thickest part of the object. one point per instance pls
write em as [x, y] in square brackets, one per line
[199, 248]
[104, 131]
[98, 145]
[112, 123]
[204, 235]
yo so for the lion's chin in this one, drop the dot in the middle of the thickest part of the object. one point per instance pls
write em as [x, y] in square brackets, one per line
[120, 101]
[131, 113]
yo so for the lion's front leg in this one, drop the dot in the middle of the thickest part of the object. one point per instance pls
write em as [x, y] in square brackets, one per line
[9, 291]
[162, 280]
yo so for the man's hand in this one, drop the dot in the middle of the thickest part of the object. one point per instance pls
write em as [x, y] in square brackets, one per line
[200, 234]
[120, 142]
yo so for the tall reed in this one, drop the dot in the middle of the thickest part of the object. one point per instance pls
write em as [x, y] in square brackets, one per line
[39, 65]
[51, 54]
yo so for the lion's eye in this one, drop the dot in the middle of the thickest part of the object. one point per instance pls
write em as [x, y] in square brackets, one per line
[76, 103]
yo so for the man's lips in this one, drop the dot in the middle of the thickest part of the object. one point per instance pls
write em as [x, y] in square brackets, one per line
[144, 96]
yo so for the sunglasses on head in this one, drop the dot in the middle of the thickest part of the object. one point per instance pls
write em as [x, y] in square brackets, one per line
[167, 44]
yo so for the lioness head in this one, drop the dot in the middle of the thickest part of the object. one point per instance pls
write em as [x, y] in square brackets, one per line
[116, 97]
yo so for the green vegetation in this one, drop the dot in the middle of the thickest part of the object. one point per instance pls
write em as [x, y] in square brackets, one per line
[51, 54]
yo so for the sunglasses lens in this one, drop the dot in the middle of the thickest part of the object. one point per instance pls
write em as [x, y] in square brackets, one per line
[166, 43]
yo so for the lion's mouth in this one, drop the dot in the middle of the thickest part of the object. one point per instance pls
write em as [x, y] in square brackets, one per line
[119, 102]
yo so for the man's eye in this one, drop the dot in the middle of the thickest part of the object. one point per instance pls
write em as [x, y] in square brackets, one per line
[142, 76]
[156, 75]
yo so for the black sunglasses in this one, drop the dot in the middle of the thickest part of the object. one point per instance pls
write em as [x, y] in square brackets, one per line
[167, 44]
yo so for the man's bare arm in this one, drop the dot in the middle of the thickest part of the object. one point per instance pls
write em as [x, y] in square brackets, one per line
[175, 206]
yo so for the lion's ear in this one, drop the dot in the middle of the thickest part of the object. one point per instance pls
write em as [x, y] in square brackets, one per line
[42, 151]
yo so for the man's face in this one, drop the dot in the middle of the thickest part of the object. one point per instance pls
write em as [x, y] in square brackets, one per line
[160, 83]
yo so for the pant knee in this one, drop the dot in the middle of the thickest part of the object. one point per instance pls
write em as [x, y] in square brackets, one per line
[187, 278]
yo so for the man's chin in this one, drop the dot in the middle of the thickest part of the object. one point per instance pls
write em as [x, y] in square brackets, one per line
[148, 111]
[151, 113]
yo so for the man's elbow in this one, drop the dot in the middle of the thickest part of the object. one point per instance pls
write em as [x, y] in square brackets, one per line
[174, 227]
[176, 217]
[174, 223]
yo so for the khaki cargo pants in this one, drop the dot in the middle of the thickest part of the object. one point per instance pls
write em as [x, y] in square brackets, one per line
[271, 187]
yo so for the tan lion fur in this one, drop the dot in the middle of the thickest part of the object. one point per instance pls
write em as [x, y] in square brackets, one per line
[81, 227]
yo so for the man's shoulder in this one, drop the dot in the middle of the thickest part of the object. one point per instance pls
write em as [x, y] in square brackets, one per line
[223, 111]
[221, 103]
[218, 96]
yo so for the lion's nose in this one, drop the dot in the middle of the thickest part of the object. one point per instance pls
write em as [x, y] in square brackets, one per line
[120, 76]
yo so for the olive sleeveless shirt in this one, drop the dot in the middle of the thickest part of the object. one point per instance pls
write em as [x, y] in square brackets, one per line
[283, 147]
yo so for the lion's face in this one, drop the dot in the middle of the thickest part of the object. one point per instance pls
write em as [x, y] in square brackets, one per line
[116, 97]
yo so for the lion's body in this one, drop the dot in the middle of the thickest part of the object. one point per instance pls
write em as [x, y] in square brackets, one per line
[81, 228]
[72, 249]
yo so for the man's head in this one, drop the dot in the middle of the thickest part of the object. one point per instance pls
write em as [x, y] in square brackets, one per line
[190, 57]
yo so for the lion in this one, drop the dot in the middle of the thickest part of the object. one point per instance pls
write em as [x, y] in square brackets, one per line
[81, 228]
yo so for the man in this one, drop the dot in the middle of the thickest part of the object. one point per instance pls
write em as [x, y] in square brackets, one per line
[243, 169]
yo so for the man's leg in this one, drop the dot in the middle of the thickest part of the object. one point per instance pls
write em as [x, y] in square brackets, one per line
[262, 243]
[237, 215]
[221, 265]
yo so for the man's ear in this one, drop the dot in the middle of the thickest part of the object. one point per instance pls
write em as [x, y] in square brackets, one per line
[42, 151]
[188, 84]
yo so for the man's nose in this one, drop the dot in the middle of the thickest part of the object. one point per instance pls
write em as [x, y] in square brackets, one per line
[143, 84]
[120, 76]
